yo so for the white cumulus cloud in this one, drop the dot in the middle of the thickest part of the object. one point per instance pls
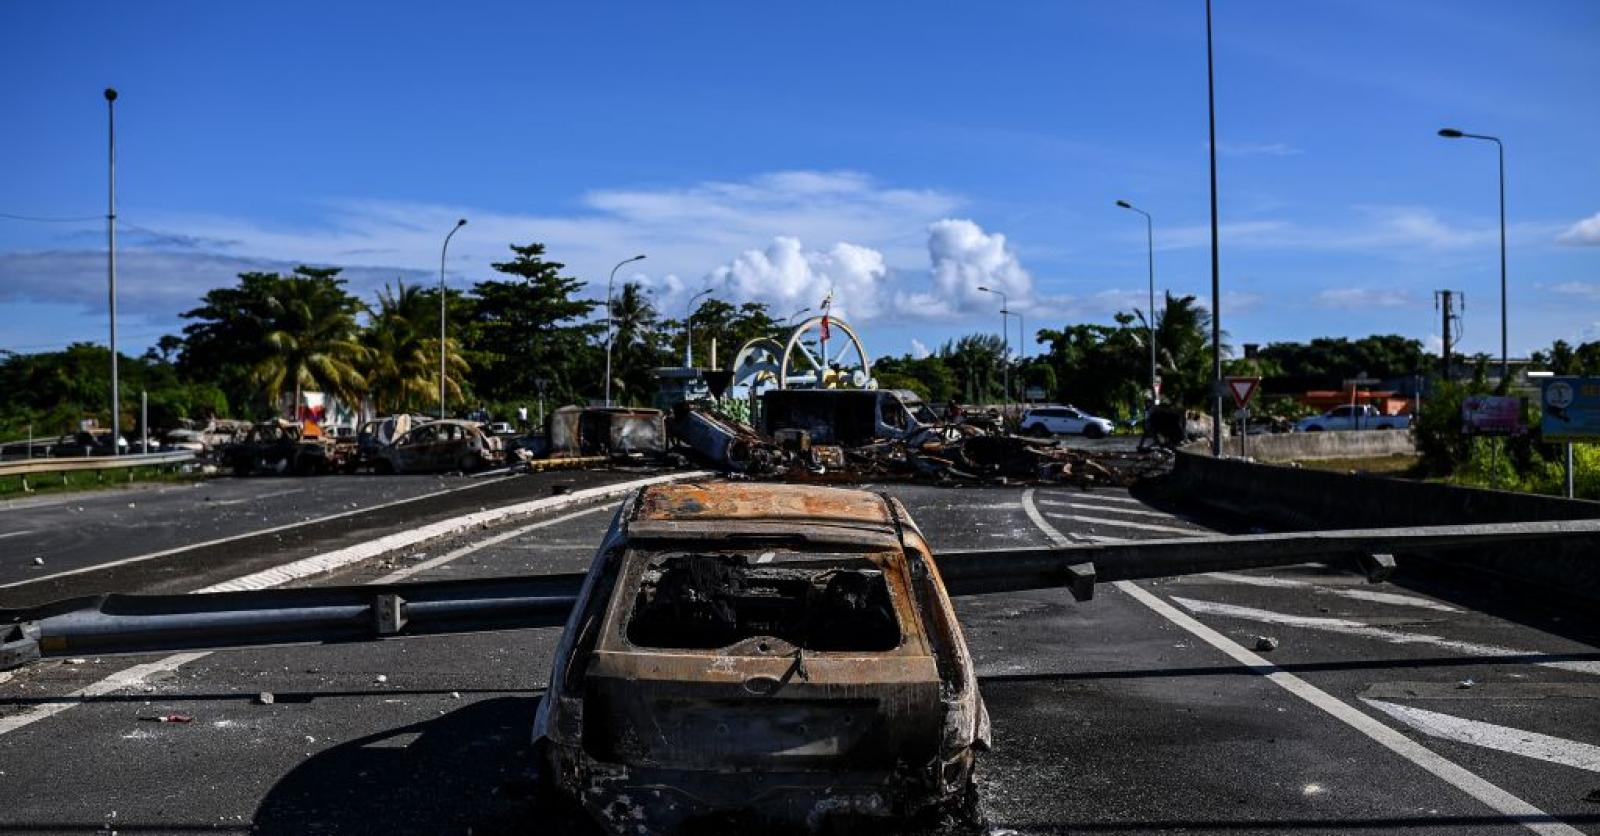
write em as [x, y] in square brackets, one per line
[786, 276]
[1584, 233]
[963, 257]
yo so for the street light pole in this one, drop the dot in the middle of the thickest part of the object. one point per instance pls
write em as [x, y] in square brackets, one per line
[609, 314]
[1150, 243]
[1505, 362]
[1216, 282]
[111, 265]
[442, 250]
[688, 333]
[1005, 341]
[790, 321]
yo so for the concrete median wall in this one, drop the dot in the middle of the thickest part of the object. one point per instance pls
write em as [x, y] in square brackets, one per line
[1289, 498]
[1289, 447]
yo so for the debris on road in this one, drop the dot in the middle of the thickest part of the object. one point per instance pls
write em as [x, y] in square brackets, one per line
[169, 718]
[1265, 643]
[265, 698]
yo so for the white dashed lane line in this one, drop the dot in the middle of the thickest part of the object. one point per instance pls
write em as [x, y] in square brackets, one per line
[1512, 807]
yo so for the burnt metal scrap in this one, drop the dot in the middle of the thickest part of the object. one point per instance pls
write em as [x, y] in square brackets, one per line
[777, 656]
[850, 436]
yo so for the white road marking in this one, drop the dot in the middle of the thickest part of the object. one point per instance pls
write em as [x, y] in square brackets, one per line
[1393, 598]
[1352, 627]
[16, 533]
[1107, 509]
[1165, 529]
[131, 677]
[1357, 594]
[1490, 736]
[1448, 771]
[402, 574]
[233, 537]
[1091, 496]
[126, 678]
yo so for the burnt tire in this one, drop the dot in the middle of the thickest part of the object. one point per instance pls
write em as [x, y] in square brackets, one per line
[469, 463]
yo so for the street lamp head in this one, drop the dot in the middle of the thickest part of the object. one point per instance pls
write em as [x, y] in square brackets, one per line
[111, 94]
[639, 257]
[461, 223]
[1450, 133]
[984, 289]
[1125, 204]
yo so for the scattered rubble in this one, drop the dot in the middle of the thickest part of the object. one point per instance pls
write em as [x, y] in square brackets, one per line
[169, 718]
[943, 453]
[1265, 643]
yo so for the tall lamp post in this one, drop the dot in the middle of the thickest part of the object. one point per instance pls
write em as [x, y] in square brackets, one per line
[1150, 245]
[111, 265]
[442, 250]
[1216, 271]
[1005, 341]
[609, 332]
[790, 321]
[688, 330]
[1452, 133]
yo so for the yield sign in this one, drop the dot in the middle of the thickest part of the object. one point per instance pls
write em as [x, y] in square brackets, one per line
[1243, 389]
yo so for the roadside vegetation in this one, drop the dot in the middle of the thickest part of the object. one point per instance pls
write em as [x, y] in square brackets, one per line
[528, 331]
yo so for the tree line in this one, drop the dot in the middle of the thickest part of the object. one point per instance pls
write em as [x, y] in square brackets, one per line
[527, 332]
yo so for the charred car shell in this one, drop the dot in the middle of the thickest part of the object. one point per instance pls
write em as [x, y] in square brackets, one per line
[776, 656]
[440, 446]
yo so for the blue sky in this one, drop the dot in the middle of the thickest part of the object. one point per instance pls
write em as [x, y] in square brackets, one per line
[901, 154]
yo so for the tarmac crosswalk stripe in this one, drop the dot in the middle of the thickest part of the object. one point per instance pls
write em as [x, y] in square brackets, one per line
[1352, 627]
[1392, 598]
[1490, 736]
[1512, 807]
[1107, 509]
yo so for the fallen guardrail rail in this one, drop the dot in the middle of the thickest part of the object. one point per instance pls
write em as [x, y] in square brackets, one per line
[29, 467]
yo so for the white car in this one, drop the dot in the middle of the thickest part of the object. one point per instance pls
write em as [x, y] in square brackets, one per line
[1064, 420]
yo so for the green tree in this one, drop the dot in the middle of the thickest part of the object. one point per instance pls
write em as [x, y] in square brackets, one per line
[974, 360]
[311, 340]
[530, 327]
[402, 358]
[638, 345]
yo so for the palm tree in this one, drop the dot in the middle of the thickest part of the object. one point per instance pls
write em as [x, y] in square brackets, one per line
[637, 342]
[402, 360]
[310, 338]
[1183, 349]
[975, 359]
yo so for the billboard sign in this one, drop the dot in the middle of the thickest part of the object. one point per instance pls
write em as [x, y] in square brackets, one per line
[1571, 409]
[1491, 415]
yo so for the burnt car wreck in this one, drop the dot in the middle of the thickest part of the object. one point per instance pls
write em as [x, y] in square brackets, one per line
[739, 657]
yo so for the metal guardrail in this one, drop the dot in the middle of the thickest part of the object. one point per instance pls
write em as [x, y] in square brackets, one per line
[62, 465]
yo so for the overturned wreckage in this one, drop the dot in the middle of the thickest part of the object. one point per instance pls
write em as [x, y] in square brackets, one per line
[744, 655]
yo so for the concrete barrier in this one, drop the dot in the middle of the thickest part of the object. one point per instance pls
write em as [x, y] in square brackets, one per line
[1347, 444]
[1292, 498]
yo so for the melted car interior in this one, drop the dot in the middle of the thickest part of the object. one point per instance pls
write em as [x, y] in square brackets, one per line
[706, 601]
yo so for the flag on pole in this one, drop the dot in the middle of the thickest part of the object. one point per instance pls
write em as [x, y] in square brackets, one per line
[827, 303]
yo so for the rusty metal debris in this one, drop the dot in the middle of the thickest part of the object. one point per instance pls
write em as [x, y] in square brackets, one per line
[821, 436]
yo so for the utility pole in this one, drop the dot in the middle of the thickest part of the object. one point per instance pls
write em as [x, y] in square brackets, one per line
[442, 297]
[1444, 301]
[111, 266]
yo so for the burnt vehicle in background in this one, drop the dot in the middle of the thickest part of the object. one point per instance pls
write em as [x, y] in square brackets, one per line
[439, 446]
[738, 657]
[280, 446]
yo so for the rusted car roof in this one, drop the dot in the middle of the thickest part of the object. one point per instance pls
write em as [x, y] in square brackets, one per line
[711, 501]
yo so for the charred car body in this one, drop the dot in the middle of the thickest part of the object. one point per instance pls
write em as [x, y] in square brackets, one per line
[280, 447]
[767, 654]
[440, 446]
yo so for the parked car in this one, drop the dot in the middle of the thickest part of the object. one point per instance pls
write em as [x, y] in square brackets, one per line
[1361, 417]
[440, 446]
[1064, 420]
[500, 428]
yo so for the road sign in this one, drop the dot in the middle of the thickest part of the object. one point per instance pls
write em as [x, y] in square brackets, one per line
[1571, 409]
[1243, 389]
[1491, 415]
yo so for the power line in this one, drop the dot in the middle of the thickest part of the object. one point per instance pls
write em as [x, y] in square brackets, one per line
[38, 219]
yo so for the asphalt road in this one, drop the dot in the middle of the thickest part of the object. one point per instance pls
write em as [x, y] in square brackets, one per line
[1141, 711]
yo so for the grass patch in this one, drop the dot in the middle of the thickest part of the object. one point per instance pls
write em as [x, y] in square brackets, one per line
[13, 487]
[1400, 465]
